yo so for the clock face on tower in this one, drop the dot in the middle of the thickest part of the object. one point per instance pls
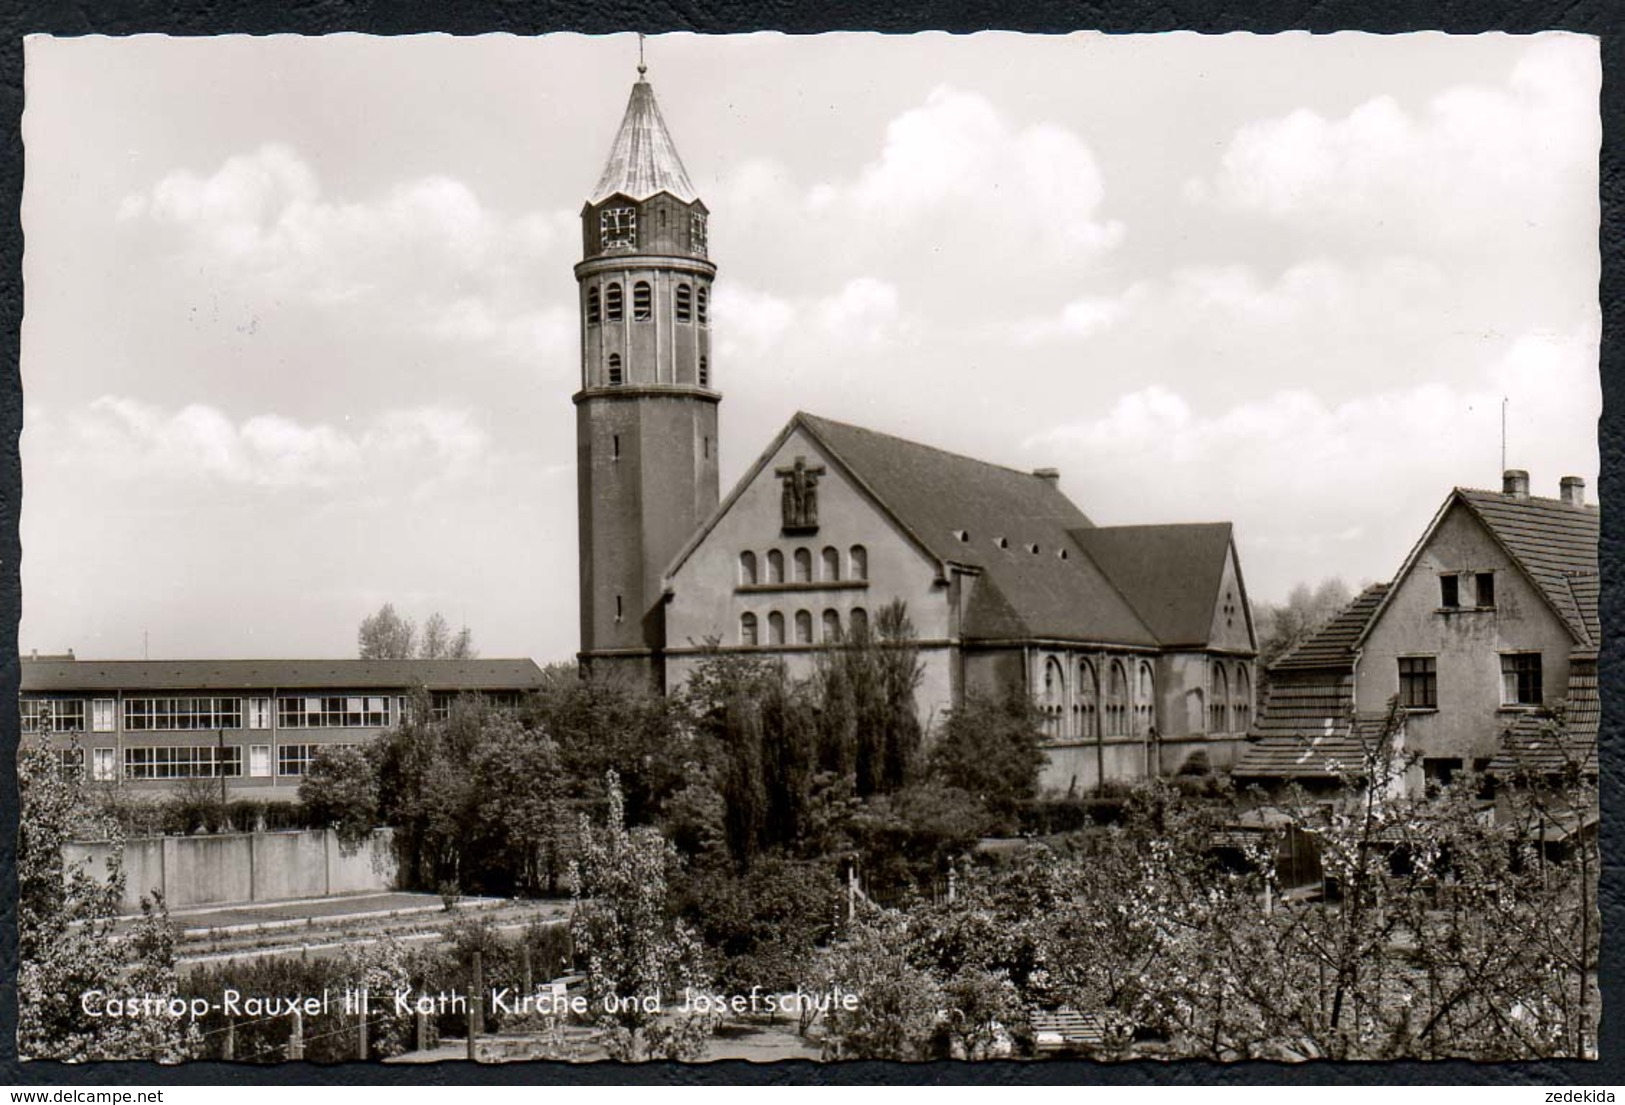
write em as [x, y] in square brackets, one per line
[696, 233]
[618, 227]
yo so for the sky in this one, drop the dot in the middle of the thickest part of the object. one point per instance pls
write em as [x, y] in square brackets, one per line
[300, 325]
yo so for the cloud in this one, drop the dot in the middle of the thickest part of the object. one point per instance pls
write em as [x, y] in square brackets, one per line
[1476, 164]
[125, 439]
[426, 252]
[864, 311]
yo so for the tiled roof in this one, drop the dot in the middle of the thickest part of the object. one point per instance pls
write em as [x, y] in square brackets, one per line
[1333, 645]
[1554, 541]
[1336, 750]
[68, 676]
[1169, 574]
[1040, 578]
[643, 159]
[1533, 746]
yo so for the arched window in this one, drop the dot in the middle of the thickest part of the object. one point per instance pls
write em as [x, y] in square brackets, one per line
[775, 566]
[1117, 701]
[684, 303]
[832, 627]
[1054, 697]
[832, 564]
[705, 373]
[859, 621]
[858, 562]
[642, 302]
[747, 629]
[747, 568]
[803, 628]
[612, 303]
[1084, 704]
[702, 298]
[594, 308]
[615, 377]
[1145, 700]
[775, 628]
[1243, 709]
[1218, 698]
[803, 566]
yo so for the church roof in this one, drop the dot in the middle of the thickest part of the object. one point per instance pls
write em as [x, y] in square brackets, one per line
[1169, 574]
[643, 159]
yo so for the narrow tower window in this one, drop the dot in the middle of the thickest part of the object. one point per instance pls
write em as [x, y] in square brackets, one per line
[685, 303]
[615, 370]
[615, 447]
[617, 608]
[612, 303]
[701, 299]
[593, 312]
[641, 300]
[705, 373]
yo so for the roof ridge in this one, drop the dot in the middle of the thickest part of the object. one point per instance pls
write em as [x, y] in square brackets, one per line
[920, 445]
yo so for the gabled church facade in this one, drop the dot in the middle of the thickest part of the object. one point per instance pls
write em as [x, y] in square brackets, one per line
[1135, 641]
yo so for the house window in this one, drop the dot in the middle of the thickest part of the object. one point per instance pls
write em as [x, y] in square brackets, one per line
[199, 761]
[747, 629]
[775, 566]
[615, 377]
[594, 306]
[702, 299]
[259, 761]
[775, 628]
[101, 715]
[684, 303]
[1486, 589]
[705, 373]
[1520, 679]
[1438, 772]
[859, 621]
[1419, 682]
[803, 566]
[1117, 702]
[832, 564]
[803, 628]
[59, 715]
[642, 302]
[832, 627]
[1450, 591]
[696, 234]
[178, 714]
[1218, 698]
[1244, 699]
[618, 227]
[259, 713]
[333, 712]
[747, 568]
[858, 560]
[612, 303]
[1084, 707]
[103, 765]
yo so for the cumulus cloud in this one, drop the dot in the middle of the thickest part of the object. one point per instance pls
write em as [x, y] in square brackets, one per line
[127, 439]
[427, 251]
[1475, 162]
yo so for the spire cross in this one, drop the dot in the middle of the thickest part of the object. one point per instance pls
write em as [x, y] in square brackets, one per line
[642, 68]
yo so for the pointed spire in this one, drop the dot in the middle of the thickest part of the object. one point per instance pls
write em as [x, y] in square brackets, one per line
[643, 160]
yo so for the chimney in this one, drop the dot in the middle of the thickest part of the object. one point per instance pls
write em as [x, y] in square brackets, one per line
[1053, 475]
[1515, 482]
[1574, 490]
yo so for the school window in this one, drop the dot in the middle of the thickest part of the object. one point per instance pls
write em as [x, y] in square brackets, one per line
[199, 761]
[65, 715]
[70, 762]
[642, 301]
[1486, 589]
[102, 718]
[1419, 682]
[259, 713]
[684, 303]
[1520, 679]
[103, 765]
[333, 712]
[1450, 591]
[164, 715]
[259, 761]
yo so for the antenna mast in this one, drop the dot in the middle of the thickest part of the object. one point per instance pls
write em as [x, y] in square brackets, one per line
[1503, 433]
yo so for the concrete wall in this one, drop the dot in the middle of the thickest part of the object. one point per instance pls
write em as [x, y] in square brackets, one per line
[1466, 642]
[242, 867]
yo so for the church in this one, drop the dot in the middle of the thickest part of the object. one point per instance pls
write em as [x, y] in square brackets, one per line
[1136, 642]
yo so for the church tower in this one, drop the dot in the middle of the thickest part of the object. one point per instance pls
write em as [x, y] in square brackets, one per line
[646, 414]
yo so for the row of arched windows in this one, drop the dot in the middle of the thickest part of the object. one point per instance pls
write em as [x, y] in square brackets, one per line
[1229, 703]
[751, 570]
[615, 371]
[608, 305]
[750, 627]
[1116, 713]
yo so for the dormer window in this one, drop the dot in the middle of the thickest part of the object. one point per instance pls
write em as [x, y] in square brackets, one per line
[618, 227]
[642, 301]
[696, 233]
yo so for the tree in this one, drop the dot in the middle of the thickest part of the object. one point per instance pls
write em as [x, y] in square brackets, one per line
[340, 790]
[865, 692]
[990, 748]
[640, 960]
[1282, 628]
[386, 636]
[895, 1013]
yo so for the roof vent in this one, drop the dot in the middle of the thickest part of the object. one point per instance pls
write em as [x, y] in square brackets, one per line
[1061, 553]
[1515, 482]
[963, 535]
[1051, 474]
[1033, 549]
[1573, 490]
[1002, 542]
